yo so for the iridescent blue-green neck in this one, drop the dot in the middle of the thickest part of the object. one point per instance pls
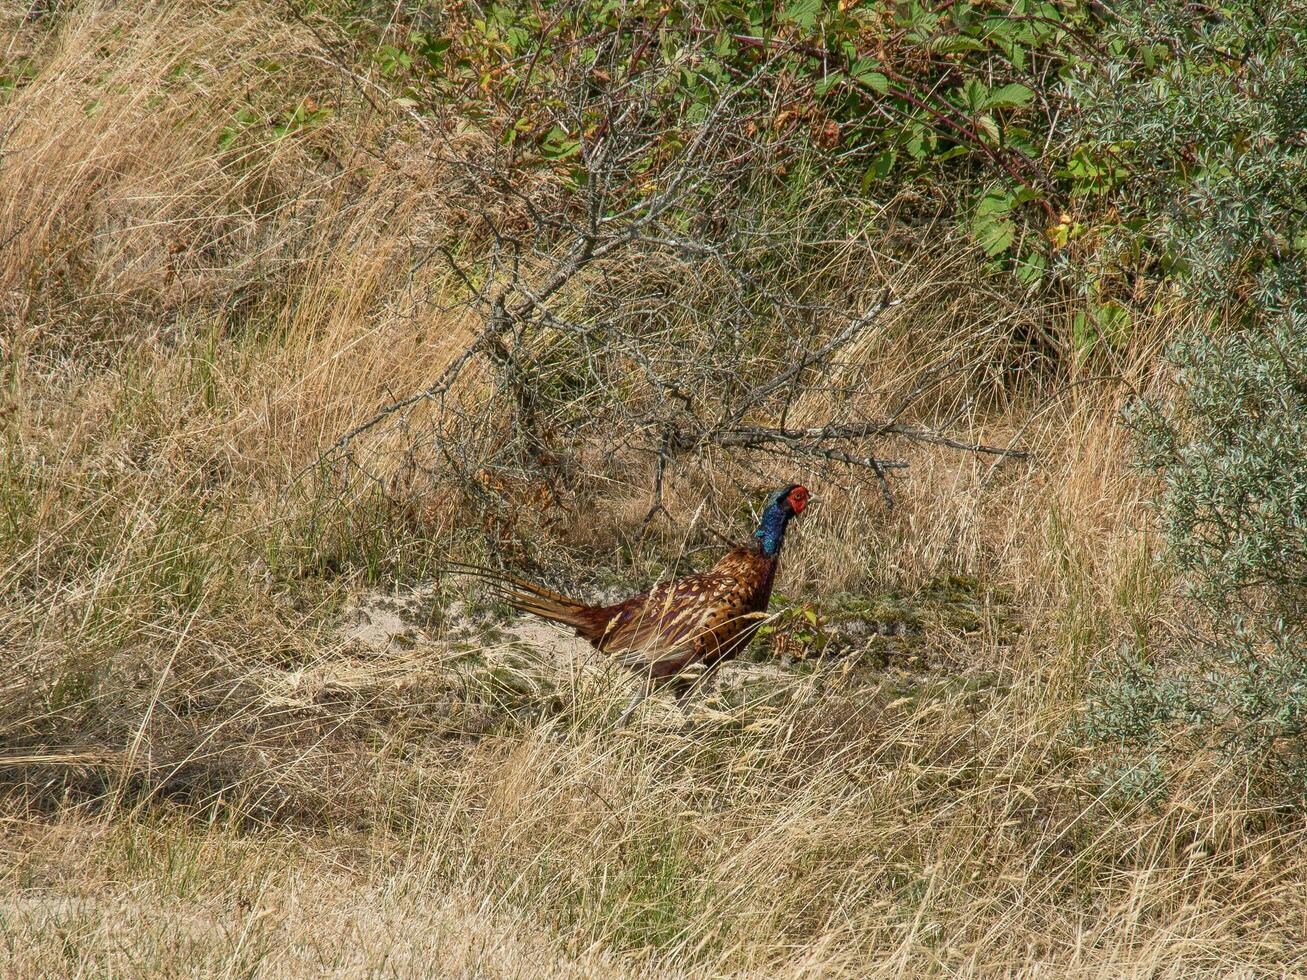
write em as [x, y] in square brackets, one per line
[771, 529]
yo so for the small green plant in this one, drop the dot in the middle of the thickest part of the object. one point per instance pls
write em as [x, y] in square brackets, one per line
[797, 632]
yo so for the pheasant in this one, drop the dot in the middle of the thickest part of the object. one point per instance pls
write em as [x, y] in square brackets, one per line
[700, 619]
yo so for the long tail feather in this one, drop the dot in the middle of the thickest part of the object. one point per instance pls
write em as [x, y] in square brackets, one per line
[530, 597]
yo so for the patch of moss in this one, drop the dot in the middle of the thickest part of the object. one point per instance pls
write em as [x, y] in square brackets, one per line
[890, 628]
[961, 603]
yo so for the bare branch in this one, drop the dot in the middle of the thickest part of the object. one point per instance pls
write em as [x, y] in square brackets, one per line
[623, 308]
[819, 356]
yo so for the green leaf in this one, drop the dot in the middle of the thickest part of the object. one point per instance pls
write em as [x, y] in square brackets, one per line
[880, 167]
[1009, 96]
[244, 119]
[518, 39]
[556, 145]
[919, 141]
[991, 225]
[995, 237]
[1031, 268]
[803, 13]
[1114, 322]
[1109, 323]
[875, 81]
[392, 60]
[920, 21]
[954, 44]
[974, 94]
[864, 72]
[1084, 335]
[828, 82]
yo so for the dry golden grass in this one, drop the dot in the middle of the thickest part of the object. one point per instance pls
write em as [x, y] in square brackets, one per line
[202, 776]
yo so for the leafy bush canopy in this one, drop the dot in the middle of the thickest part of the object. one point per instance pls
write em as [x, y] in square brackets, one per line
[958, 97]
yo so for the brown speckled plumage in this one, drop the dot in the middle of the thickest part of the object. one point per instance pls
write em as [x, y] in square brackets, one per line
[701, 619]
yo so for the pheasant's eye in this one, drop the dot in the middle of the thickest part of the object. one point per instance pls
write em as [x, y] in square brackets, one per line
[798, 499]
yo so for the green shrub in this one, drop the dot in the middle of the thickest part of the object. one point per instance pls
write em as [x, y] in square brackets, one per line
[1231, 457]
[1202, 115]
[1193, 120]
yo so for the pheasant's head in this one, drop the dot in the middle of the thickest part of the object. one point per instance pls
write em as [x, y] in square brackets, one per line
[782, 505]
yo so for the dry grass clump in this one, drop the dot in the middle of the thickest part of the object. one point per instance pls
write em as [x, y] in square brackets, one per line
[206, 279]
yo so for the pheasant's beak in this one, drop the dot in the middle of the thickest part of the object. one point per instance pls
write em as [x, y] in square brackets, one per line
[810, 501]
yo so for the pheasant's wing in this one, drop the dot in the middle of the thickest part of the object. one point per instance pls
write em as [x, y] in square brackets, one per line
[663, 629]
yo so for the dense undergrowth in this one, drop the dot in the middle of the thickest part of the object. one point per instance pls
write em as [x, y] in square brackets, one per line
[970, 743]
